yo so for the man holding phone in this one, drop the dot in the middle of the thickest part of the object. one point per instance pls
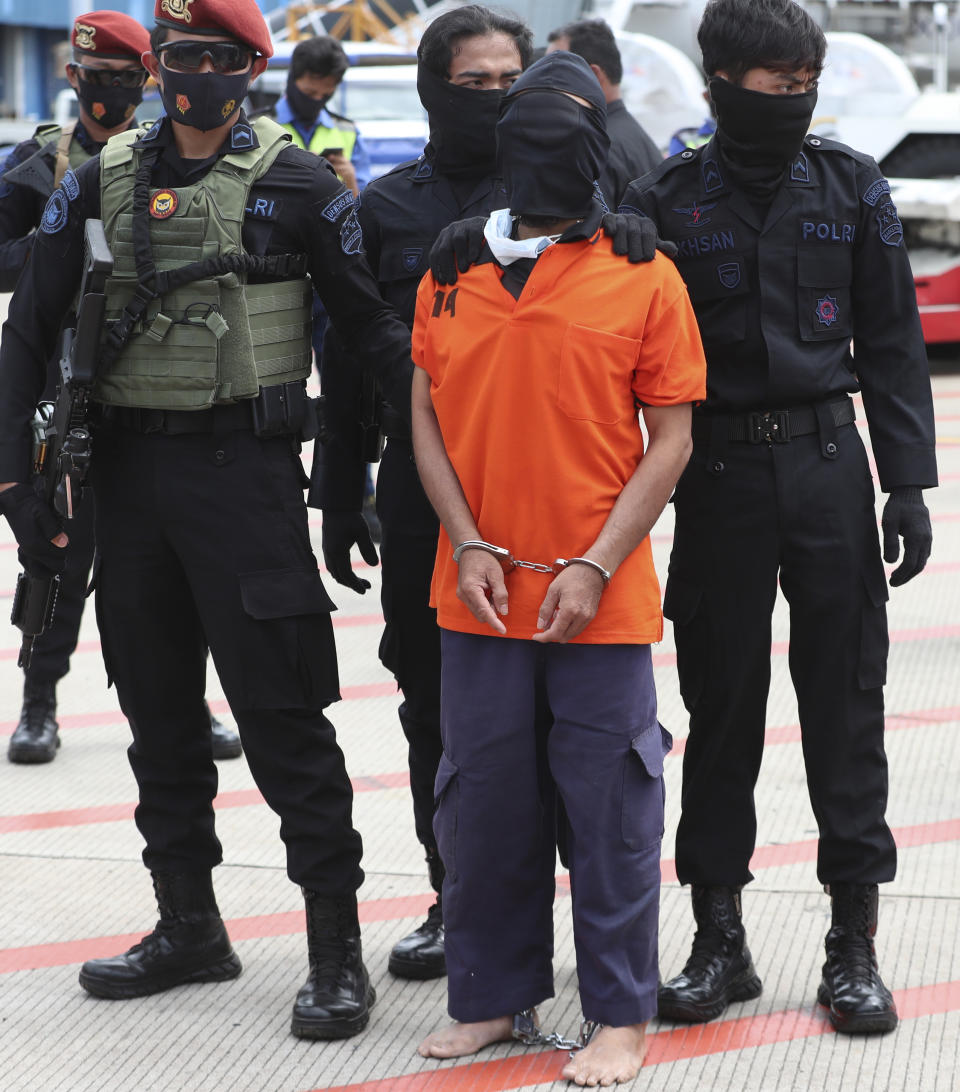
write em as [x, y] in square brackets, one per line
[317, 66]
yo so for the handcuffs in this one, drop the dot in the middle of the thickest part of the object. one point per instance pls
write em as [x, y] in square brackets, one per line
[527, 1031]
[508, 562]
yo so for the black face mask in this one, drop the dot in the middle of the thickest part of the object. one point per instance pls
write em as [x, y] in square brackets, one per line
[202, 100]
[550, 150]
[305, 108]
[462, 125]
[110, 107]
[760, 130]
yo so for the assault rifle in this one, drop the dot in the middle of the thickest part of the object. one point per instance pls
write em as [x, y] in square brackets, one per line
[62, 445]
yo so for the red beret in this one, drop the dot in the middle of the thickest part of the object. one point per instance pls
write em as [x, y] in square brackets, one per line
[240, 19]
[109, 34]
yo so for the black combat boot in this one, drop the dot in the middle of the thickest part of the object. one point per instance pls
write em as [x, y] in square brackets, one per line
[720, 968]
[851, 987]
[189, 944]
[36, 738]
[335, 1001]
[226, 742]
[421, 955]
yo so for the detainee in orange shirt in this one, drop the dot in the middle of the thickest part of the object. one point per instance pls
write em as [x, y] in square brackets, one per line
[527, 439]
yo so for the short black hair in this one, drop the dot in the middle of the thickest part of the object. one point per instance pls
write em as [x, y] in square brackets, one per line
[440, 39]
[593, 40]
[321, 56]
[737, 35]
[157, 37]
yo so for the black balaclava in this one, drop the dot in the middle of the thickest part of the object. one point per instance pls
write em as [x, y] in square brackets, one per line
[550, 149]
[202, 100]
[760, 134]
[108, 106]
[305, 108]
[462, 125]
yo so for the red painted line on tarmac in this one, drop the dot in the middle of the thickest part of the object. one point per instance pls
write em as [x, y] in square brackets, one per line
[58, 953]
[35, 956]
[665, 1047]
[111, 813]
[108, 813]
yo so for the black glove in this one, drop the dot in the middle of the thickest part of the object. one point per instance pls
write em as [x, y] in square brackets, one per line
[34, 524]
[636, 236]
[457, 247]
[906, 516]
[340, 530]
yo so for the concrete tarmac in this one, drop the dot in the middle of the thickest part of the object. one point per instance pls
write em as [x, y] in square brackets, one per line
[72, 886]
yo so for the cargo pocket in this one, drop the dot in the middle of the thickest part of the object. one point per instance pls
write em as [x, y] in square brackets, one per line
[289, 657]
[681, 604]
[874, 638]
[596, 370]
[446, 796]
[824, 304]
[641, 806]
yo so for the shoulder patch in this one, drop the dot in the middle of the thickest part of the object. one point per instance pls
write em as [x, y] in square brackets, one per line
[153, 132]
[351, 235]
[712, 179]
[876, 191]
[241, 137]
[337, 206]
[55, 214]
[888, 224]
[424, 169]
[800, 169]
[70, 185]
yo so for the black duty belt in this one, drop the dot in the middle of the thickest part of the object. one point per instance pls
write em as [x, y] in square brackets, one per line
[773, 426]
[225, 418]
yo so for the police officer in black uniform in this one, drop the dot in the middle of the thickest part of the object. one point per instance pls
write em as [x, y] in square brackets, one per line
[467, 59]
[632, 151]
[108, 76]
[200, 519]
[790, 247]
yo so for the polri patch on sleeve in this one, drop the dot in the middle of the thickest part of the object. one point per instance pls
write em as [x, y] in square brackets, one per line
[337, 207]
[351, 235]
[55, 214]
[411, 255]
[71, 186]
[876, 191]
[888, 223]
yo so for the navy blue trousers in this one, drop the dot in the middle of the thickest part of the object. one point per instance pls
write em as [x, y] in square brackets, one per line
[522, 724]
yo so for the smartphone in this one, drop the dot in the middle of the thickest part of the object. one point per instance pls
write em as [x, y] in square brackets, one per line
[327, 152]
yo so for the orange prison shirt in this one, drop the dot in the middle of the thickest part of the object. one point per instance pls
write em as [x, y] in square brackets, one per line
[536, 402]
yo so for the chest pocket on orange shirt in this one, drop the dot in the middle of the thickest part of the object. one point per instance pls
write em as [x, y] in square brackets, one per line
[596, 370]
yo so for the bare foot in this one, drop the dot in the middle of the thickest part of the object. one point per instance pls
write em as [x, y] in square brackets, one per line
[459, 1039]
[614, 1055]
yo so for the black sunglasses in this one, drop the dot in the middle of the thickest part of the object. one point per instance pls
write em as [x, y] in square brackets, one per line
[188, 56]
[111, 77]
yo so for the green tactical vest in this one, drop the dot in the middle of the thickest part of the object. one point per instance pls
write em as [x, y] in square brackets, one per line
[213, 340]
[70, 152]
[324, 138]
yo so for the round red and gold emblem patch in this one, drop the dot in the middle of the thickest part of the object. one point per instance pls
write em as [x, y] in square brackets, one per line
[163, 203]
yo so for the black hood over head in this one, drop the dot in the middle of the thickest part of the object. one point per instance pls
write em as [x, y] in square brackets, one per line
[550, 149]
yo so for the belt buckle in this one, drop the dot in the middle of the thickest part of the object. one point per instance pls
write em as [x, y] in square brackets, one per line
[772, 427]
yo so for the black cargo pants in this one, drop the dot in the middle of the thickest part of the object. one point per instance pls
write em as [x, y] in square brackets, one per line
[410, 647]
[202, 540]
[747, 515]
